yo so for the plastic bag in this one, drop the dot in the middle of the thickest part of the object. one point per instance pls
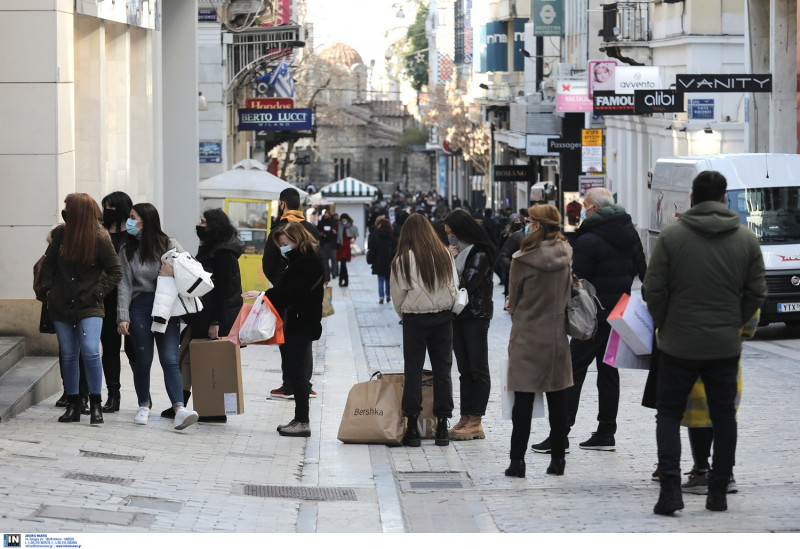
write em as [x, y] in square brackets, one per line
[259, 324]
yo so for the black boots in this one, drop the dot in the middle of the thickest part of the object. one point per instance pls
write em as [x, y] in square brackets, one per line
[557, 465]
[62, 401]
[95, 410]
[441, 432]
[73, 411]
[670, 499]
[170, 412]
[516, 468]
[717, 500]
[411, 438]
[112, 403]
[85, 405]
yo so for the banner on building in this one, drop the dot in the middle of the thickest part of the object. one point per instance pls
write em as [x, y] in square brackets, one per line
[536, 145]
[519, 44]
[717, 83]
[609, 103]
[662, 101]
[548, 17]
[601, 75]
[573, 96]
[629, 79]
[497, 46]
[275, 119]
[563, 146]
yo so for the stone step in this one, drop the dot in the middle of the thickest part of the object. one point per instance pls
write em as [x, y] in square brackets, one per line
[31, 380]
[12, 349]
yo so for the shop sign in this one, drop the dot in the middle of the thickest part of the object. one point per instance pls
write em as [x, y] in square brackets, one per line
[627, 79]
[512, 173]
[275, 119]
[646, 102]
[731, 83]
[270, 103]
[607, 103]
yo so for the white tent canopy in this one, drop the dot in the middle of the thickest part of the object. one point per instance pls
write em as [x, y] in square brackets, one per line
[248, 179]
[348, 190]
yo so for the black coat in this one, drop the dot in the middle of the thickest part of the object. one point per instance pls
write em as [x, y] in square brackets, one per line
[477, 279]
[382, 247]
[327, 236]
[221, 305]
[273, 264]
[608, 253]
[297, 296]
[510, 246]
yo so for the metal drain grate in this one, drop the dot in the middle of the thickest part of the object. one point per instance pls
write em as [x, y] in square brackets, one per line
[436, 484]
[104, 455]
[311, 493]
[444, 480]
[98, 478]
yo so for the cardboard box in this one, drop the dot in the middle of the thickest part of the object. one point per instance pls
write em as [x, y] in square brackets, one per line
[216, 377]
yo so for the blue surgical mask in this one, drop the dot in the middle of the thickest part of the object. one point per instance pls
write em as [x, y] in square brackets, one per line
[527, 229]
[285, 250]
[583, 214]
[130, 226]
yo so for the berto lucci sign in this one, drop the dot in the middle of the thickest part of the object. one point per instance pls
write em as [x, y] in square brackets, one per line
[275, 119]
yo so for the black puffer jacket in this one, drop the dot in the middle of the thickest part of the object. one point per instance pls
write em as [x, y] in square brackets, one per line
[608, 253]
[477, 279]
[382, 247]
[297, 296]
[221, 305]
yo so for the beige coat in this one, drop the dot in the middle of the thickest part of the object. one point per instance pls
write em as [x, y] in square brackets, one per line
[538, 351]
[414, 298]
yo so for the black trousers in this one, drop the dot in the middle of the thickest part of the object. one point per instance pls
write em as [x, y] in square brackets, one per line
[700, 440]
[675, 381]
[344, 280]
[112, 344]
[308, 368]
[583, 354]
[521, 422]
[294, 351]
[471, 347]
[431, 332]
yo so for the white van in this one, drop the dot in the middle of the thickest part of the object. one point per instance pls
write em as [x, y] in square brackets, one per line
[764, 189]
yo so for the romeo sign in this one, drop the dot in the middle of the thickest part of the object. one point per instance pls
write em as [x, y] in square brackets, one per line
[739, 83]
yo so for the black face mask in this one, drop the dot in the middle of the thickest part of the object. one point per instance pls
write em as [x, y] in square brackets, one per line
[515, 227]
[64, 215]
[110, 217]
[201, 232]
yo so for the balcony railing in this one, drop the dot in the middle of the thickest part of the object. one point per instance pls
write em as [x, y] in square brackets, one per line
[626, 22]
[247, 50]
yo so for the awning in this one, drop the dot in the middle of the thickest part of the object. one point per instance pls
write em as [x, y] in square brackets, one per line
[349, 188]
[248, 179]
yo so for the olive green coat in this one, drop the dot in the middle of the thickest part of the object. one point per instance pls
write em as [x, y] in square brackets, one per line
[538, 351]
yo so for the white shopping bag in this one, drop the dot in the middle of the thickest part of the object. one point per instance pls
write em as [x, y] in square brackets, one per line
[259, 324]
[507, 397]
[632, 321]
[619, 355]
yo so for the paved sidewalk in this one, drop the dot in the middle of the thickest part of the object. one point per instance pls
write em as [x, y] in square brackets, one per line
[243, 477]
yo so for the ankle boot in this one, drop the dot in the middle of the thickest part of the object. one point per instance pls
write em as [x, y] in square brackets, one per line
[85, 405]
[516, 468]
[557, 462]
[471, 430]
[112, 402]
[441, 432]
[717, 500]
[462, 422]
[95, 409]
[62, 401]
[670, 498]
[411, 437]
[73, 411]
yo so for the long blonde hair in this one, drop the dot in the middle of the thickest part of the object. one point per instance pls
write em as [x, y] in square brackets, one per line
[550, 230]
[434, 264]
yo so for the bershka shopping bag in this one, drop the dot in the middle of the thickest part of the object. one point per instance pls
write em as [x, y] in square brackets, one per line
[632, 321]
[373, 414]
[259, 324]
[426, 422]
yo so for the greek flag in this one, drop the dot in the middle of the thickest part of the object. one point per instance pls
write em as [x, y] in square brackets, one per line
[280, 80]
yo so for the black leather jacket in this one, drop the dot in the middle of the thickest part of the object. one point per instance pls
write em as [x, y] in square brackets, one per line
[477, 279]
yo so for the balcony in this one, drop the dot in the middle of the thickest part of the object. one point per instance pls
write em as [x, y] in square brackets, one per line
[626, 32]
[254, 49]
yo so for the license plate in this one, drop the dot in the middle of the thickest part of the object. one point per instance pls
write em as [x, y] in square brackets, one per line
[789, 307]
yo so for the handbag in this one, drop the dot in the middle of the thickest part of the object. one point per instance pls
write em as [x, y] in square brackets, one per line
[462, 298]
[373, 413]
[581, 312]
[38, 287]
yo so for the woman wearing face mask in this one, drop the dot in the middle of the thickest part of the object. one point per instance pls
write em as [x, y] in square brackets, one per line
[346, 234]
[79, 270]
[510, 242]
[116, 209]
[141, 262]
[219, 252]
[297, 296]
[538, 351]
[474, 255]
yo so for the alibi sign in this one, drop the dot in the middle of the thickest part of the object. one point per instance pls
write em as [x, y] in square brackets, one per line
[650, 101]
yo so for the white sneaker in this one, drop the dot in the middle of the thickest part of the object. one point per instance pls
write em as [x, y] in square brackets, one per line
[184, 418]
[142, 415]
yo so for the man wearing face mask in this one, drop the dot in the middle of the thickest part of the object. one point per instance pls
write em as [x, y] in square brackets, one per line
[274, 265]
[608, 253]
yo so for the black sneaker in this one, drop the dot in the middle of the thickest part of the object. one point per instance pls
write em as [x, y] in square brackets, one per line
[697, 483]
[599, 442]
[545, 448]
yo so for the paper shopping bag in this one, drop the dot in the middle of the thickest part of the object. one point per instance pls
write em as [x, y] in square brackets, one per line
[216, 377]
[632, 321]
[619, 355]
[373, 414]
[507, 397]
[426, 422]
[327, 302]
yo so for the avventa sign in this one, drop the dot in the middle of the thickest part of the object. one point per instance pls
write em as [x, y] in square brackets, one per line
[646, 102]
[270, 103]
[739, 83]
[275, 119]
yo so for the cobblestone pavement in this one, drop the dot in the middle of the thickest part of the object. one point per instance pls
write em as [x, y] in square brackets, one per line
[243, 477]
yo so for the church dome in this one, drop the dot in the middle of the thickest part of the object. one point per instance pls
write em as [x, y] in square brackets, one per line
[341, 54]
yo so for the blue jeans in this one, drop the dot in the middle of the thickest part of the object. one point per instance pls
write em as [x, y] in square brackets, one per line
[79, 339]
[383, 286]
[144, 340]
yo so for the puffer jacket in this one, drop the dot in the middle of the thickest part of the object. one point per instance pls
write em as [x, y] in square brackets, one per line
[608, 253]
[77, 291]
[170, 299]
[478, 281]
[414, 298]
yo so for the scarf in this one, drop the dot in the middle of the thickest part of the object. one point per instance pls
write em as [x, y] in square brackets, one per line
[463, 254]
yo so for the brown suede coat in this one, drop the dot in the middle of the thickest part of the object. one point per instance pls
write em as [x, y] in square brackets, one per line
[538, 351]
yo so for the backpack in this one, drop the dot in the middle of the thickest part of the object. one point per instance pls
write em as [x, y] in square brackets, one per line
[582, 304]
